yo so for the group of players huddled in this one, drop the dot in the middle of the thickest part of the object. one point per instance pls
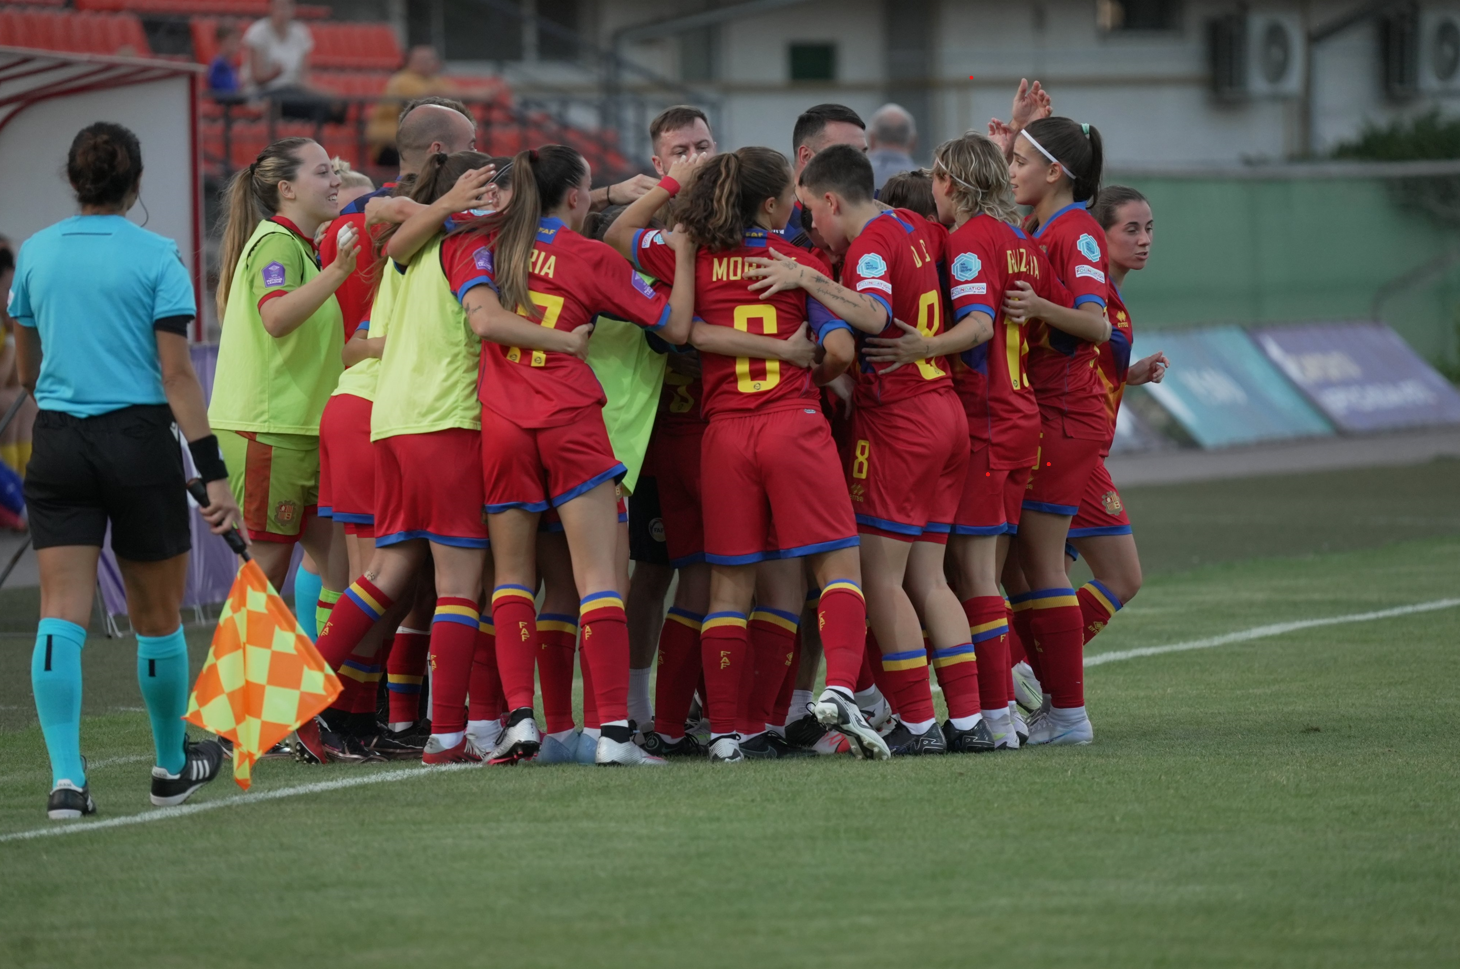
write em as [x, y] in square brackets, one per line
[862, 427]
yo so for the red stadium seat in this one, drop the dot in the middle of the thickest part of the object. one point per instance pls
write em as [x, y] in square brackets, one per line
[82, 33]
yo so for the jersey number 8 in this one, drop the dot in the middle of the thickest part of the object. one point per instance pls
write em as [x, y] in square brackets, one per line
[552, 307]
[744, 380]
[930, 312]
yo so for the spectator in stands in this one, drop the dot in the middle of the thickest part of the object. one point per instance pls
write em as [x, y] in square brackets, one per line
[223, 69]
[421, 77]
[891, 139]
[278, 66]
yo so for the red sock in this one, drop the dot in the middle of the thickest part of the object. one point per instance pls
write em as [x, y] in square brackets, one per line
[454, 630]
[906, 674]
[841, 616]
[957, 670]
[405, 669]
[590, 699]
[484, 697]
[1016, 645]
[1059, 641]
[868, 678]
[557, 641]
[781, 712]
[679, 671]
[988, 627]
[514, 614]
[606, 650]
[724, 653]
[365, 698]
[872, 660]
[359, 608]
[772, 636]
[1098, 605]
[1023, 625]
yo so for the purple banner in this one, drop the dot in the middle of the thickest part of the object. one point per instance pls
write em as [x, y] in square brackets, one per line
[1362, 376]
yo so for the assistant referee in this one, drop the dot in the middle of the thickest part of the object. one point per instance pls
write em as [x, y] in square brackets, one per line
[103, 308]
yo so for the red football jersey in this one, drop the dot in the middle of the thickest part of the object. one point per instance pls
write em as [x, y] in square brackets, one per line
[357, 292]
[1113, 361]
[895, 261]
[680, 403]
[739, 385]
[572, 280]
[1062, 367]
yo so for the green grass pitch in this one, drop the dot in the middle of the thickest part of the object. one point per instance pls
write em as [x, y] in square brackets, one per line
[1284, 801]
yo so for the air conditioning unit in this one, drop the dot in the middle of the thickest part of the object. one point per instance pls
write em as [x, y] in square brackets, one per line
[1399, 51]
[1257, 55]
[1439, 51]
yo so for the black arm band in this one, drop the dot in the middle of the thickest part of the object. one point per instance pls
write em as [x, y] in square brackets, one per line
[207, 458]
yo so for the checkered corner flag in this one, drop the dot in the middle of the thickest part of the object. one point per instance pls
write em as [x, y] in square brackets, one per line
[263, 677]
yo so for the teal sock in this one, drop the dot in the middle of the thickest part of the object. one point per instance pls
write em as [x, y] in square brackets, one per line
[55, 676]
[307, 586]
[162, 672]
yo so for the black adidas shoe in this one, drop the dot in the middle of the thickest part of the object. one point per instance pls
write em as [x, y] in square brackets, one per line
[804, 732]
[69, 802]
[347, 748]
[979, 740]
[204, 757]
[904, 743]
[768, 746]
[686, 746]
[388, 745]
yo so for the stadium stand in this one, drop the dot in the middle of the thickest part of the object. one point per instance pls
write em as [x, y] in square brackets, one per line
[78, 33]
[227, 8]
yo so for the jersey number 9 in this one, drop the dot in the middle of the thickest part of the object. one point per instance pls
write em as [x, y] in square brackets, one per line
[744, 380]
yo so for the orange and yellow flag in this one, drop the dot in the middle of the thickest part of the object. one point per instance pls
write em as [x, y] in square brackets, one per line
[263, 677]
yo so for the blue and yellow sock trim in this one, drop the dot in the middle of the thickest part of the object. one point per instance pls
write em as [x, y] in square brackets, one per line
[912, 659]
[715, 620]
[843, 585]
[462, 615]
[557, 622]
[514, 591]
[988, 630]
[776, 617]
[1052, 599]
[954, 655]
[361, 597]
[1108, 600]
[362, 672]
[403, 683]
[685, 618]
[598, 601]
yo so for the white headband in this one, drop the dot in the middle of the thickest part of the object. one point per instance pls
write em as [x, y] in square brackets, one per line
[938, 163]
[1045, 152]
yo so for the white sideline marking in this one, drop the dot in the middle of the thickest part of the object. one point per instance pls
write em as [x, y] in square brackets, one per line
[1262, 632]
[163, 814]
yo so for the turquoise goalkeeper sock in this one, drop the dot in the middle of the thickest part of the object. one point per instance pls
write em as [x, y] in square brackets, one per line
[55, 676]
[307, 586]
[162, 672]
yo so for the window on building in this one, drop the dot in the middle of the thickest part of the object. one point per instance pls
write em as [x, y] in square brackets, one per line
[813, 62]
[1122, 15]
[697, 55]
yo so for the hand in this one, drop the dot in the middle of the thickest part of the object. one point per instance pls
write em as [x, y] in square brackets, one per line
[911, 347]
[321, 232]
[842, 386]
[577, 341]
[1001, 135]
[684, 167]
[1030, 104]
[222, 511]
[348, 242]
[685, 364]
[473, 190]
[679, 240]
[1021, 303]
[800, 349]
[629, 190]
[375, 211]
[1148, 370]
[775, 273]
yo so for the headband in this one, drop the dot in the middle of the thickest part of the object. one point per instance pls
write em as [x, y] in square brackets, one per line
[1045, 151]
[506, 170]
[938, 163]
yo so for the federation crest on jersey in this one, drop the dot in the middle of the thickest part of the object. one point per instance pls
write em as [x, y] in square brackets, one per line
[966, 266]
[274, 274]
[482, 258]
[872, 265]
[640, 285]
[1111, 501]
[1088, 247]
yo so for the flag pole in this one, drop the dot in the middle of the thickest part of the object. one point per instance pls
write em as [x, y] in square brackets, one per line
[235, 541]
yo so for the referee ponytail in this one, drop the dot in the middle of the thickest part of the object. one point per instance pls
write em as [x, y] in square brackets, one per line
[251, 197]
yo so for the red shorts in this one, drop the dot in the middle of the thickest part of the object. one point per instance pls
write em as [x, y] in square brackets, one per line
[676, 463]
[536, 468]
[552, 522]
[906, 466]
[1101, 511]
[347, 464]
[1061, 473]
[776, 486]
[430, 486]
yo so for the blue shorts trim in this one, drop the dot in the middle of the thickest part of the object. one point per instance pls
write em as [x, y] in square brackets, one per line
[938, 528]
[694, 559]
[1074, 556]
[452, 540]
[890, 526]
[1069, 511]
[323, 512]
[614, 473]
[796, 553]
[350, 518]
[981, 531]
[1102, 530]
[750, 559]
[536, 507]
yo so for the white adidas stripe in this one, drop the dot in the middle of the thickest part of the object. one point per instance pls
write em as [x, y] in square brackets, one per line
[389, 776]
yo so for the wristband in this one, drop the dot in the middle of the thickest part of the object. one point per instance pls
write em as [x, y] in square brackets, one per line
[208, 459]
[669, 185]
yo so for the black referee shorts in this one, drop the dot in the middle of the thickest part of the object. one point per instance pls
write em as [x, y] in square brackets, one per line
[124, 467]
[646, 528]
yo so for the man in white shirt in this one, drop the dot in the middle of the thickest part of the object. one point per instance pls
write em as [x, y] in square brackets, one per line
[278, 65]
